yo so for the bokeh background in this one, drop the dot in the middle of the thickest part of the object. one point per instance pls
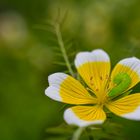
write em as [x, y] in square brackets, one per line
[27, 57]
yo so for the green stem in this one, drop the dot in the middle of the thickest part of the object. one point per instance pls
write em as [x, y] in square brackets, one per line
[77, 133]
[90, 137]
[63, 50]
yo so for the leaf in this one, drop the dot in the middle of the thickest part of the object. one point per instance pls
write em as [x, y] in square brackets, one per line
[107, 131]
[62, 129]
[71, 54]
[44, 27]
[59, 63]
[57, 138]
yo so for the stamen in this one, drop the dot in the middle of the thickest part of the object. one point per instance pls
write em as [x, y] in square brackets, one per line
[107, 77]
[91, 78]
[101, 78]
[91, 82]
[97, 89]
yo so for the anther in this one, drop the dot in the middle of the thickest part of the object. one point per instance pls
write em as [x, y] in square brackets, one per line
[97, 89]
[107, 76]
[91, 82]
[91, 78]
[101, 78]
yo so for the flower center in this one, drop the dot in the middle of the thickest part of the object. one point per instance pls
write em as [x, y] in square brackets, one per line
[102, 101]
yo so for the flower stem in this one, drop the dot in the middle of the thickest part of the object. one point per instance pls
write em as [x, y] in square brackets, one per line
[62, 47]
[77, 133]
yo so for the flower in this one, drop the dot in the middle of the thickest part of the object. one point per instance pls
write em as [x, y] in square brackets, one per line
[102, 90]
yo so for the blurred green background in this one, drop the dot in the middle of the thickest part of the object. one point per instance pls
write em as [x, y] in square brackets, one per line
[27, 56]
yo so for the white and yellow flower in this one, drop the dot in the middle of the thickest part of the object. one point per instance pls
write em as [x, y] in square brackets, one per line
[90, 101]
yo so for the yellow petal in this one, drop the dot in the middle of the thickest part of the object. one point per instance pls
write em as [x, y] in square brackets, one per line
[127, 107]
[131, 66]
[84, 115]
[65, 88]
[94, 68]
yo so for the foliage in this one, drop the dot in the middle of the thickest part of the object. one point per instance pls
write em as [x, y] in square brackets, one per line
[25, 63]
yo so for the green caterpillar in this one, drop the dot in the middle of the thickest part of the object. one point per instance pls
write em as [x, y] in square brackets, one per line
[122, 81]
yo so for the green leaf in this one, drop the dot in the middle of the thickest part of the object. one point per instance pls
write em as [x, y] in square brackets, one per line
[59, 63]
[62, 129]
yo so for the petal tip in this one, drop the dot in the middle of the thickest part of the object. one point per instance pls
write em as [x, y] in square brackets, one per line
[56, 78]
[133, 115]
[53, 93]
[97, 55]
[71, 118]
[133, 63]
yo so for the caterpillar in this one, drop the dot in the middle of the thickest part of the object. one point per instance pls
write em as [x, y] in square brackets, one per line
[122, 81]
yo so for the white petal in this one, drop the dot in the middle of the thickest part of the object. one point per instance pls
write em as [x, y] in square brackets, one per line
[71, 118]
[55, 81]
[57, 78]
[53, 93]
[94, 56]
[66, 89]
[133, 63]
[133, 115]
